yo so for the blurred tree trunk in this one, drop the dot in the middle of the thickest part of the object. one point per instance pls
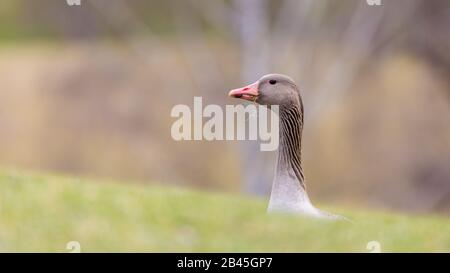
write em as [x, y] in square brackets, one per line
[252, 20]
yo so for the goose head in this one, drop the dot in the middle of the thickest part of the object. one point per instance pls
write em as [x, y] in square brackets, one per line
[271, 89]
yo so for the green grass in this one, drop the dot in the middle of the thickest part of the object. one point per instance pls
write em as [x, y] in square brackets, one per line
[43, 213]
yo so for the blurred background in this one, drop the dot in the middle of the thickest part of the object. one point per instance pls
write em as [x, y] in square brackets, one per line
[87, 90]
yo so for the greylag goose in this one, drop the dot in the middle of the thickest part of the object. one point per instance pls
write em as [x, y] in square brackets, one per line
[288, 188]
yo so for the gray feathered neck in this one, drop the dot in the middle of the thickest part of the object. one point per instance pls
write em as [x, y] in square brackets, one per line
[291, 127]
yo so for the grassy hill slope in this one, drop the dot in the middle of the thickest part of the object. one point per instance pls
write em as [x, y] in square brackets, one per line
[44, 213]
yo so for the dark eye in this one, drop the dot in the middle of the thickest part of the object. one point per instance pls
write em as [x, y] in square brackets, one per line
[272, 82]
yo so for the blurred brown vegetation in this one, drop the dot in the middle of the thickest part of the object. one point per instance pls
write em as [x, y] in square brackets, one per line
[88, 90]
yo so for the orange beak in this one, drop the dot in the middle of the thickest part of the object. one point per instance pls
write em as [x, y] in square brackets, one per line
[249, 92]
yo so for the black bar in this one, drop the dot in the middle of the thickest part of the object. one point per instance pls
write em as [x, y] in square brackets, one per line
[220, 262]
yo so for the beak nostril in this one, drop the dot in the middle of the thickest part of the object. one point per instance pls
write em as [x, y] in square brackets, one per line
[245, 89]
